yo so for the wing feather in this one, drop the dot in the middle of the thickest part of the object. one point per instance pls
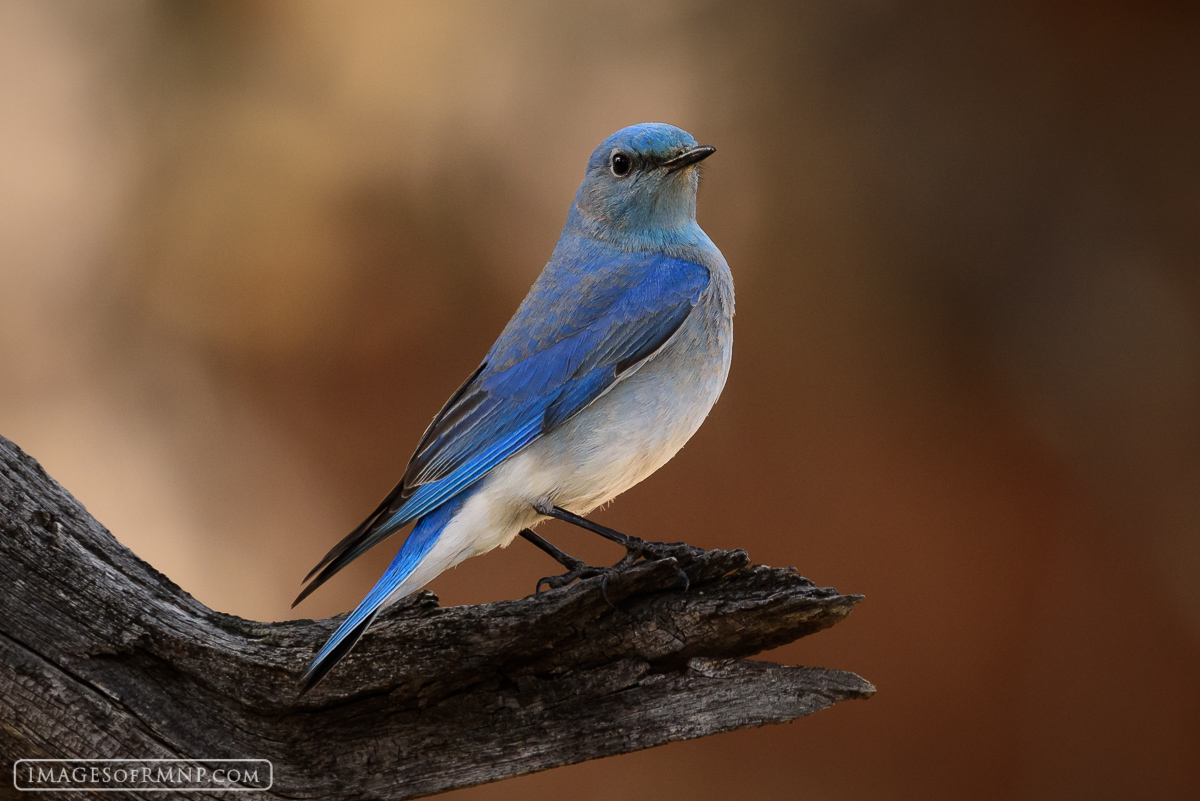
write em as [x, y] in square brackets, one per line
[561, 351]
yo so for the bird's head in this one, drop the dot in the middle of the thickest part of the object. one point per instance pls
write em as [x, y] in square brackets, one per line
[642, 180]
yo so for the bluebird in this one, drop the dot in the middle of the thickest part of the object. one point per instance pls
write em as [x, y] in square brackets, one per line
[607, 369]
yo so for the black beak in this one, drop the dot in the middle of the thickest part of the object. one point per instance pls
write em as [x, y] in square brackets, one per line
[693, 155]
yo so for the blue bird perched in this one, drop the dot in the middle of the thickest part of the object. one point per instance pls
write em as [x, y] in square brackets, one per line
[608, 367]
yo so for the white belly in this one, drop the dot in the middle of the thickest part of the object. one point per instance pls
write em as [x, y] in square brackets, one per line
[623, 437]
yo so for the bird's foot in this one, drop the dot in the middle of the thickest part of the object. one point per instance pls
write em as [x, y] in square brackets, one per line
[577, 569]
[635, 547]
[651, 551]
[638, 548]
[577, 572]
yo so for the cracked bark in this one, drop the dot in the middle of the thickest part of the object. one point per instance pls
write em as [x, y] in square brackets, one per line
[102, 656]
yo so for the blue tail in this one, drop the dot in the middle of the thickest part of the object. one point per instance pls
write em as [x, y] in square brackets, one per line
[414, 550]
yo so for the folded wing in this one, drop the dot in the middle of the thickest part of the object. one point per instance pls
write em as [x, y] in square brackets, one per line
[561, 351]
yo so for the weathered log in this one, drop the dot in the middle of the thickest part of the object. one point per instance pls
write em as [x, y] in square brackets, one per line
[102, 656]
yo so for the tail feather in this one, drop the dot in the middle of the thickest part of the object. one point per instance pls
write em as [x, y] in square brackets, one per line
[393, 499]
[338, 646]
[389, 587]
[425, 500]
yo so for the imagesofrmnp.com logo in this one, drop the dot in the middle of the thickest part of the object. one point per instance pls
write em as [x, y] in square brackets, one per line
[142, 775]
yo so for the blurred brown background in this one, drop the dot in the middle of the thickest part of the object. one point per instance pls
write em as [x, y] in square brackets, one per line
[247, 249]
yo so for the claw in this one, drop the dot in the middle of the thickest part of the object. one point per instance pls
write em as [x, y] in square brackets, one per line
[687, 582]
[635, 548]
[662, 550]
[551, 583]
[665, 550]
[579, 571]
[604, 591]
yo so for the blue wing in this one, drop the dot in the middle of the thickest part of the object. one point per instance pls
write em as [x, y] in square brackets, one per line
[587, 321]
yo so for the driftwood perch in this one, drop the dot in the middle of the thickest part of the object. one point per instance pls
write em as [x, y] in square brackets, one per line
[102, 656]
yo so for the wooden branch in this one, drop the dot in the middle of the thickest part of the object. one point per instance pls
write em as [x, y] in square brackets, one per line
[102, 656]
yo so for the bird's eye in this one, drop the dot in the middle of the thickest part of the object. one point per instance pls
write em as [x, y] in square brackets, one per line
[621, 163]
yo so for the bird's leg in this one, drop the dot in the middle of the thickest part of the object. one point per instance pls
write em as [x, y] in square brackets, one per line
[563, 558]
[576, 568]
[635, 547]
